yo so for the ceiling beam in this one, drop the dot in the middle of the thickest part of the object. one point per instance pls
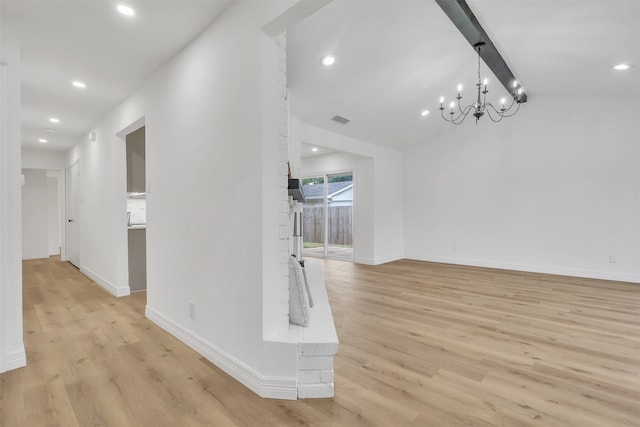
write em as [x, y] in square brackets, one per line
[463, 18]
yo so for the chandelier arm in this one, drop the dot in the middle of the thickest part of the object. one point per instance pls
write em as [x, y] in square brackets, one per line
[506, 111]
[444, 117]
[513, 101]
[503, 110]
[463, 115]
[489, 106]
[488, 110]
[462, 118]
[458, 118]
[467, 110]
[504, 114]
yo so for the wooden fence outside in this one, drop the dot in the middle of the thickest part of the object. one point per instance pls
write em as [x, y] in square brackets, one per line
[340, 225]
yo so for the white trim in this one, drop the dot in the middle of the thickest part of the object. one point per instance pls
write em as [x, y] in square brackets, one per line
[545, 269]
[366, 261]
[384, 260]
[39, 255]
[14, 360]
[132, 127]
[121, 291]
[65, 219]
[263, 386]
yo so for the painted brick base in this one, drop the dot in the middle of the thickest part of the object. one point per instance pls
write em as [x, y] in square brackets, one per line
[315, 391]
[319, 341]
[315, 376]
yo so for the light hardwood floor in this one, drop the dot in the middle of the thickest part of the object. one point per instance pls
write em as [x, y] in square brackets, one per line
[421, 344]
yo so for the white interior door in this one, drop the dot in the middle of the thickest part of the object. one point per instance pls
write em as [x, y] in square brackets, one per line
[73, 214]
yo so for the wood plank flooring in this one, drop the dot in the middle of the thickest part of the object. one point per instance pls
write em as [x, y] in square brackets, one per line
[421, 344]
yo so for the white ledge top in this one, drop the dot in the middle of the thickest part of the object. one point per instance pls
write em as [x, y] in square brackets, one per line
[137, 227]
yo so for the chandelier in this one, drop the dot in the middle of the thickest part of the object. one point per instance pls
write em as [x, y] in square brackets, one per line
[481, 106]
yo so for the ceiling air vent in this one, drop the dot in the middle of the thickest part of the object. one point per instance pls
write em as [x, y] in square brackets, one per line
[341, 120]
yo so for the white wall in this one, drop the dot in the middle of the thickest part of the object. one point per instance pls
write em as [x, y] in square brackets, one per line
[43, 159]
[389, 204]
[378, 219]
[12, 353]
[212, 217]
[35, 219]
[555, 189]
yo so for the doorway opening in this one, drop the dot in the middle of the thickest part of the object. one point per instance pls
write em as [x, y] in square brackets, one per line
[42, 212]
[328, 216]
[136, 209]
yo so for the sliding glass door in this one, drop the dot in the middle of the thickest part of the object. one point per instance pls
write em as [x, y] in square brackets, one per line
[313, 223]
[328, 216]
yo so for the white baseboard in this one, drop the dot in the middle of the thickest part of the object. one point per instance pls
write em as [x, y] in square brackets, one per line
[375, 261]
[545, 269]
[366, 261]
[121, 291]
[39, 255]
[263, 386]
[385, 260]
[14, 360]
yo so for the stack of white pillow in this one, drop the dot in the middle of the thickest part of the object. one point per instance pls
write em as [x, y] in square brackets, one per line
[300, 300]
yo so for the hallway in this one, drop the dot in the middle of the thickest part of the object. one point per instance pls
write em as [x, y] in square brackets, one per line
[95, 360]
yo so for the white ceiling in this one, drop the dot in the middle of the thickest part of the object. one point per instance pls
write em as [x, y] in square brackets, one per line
[92, 42]
[310, 150]
[396, 58]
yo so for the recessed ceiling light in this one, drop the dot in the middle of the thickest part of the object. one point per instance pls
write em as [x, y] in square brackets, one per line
[622, 67]
[79, 85]
[328, 60]
[126, 10]
[54, 120]
[314, 149]
[42, 141]
[424, 113]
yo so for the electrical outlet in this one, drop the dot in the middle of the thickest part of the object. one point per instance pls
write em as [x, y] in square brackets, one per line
[192, 309]
[613, 259]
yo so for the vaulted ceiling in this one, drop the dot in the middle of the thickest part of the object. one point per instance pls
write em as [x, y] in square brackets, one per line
[394, 59]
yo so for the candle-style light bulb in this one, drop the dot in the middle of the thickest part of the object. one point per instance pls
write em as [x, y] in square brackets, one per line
[520, 91]
[451, 105]
[459, 88]
[503, 101]
[442, 100]
[515, 84]
[486, 81]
